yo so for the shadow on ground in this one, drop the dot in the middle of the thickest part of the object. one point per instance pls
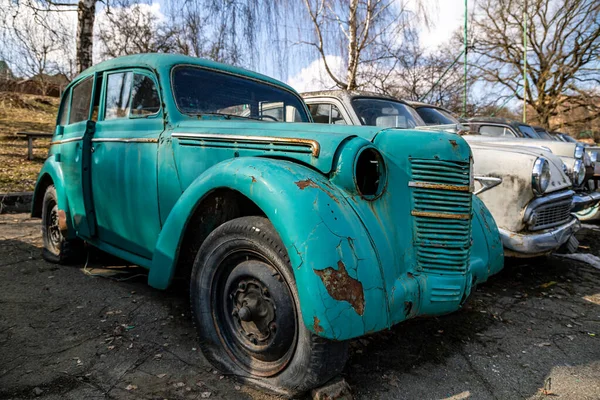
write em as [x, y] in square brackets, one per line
[68, 334]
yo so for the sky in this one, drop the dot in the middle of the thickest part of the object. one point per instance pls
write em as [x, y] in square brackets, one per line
[446, 17]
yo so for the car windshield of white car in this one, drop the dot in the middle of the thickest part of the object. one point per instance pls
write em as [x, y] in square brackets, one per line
[528, 131]
[200, 91]
[435, 116]
[386, 113]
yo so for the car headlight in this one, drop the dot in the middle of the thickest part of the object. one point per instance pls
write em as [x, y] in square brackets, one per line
[369, 173]
[578, 173]
[579, 151]
[540, 176]
[593, 157]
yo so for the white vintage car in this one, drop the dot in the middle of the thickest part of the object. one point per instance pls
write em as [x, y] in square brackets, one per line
[532, 197]
[580, 163]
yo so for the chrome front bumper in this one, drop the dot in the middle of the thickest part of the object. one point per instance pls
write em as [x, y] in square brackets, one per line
[583, 201]
[540, 242]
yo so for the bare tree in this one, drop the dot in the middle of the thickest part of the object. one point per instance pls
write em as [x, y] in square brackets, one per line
[563, 43]
[361, 31]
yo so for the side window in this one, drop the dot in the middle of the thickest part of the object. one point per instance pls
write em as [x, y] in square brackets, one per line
[491, 130]
[144, 96]
[336, 116]
[81, 100]
[118, 95]
[64, 109]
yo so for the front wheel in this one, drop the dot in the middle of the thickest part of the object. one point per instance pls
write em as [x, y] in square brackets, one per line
[247, 312]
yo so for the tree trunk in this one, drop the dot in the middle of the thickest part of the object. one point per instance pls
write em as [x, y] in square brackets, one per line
[352, 46]
[86, 12]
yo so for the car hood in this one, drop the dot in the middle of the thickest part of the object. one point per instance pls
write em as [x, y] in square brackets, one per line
[559, 148]
[503, 157]
[310, 143]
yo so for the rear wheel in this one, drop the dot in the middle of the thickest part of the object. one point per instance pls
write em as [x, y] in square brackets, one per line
[247, 313]
[57, 249]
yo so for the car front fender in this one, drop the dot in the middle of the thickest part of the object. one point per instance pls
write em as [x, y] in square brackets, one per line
[487, 252]
[337, 270]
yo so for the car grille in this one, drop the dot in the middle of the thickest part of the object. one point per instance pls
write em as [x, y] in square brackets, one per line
[442, 215]
[550, 215]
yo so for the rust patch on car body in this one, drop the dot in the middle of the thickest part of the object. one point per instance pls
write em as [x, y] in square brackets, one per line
[317, 327]
[306, 183]
[453, 143]
[343, 287]
[440, 186]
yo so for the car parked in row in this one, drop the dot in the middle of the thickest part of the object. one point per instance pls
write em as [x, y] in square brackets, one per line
[533, 182]
[295, 237]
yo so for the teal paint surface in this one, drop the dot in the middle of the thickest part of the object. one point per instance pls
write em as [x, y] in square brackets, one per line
[143, 194]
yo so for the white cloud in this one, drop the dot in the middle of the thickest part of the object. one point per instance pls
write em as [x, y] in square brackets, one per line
[448, 18]
[315, 77]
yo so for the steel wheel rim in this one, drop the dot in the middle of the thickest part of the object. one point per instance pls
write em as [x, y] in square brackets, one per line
[53, 234]
[255, 316]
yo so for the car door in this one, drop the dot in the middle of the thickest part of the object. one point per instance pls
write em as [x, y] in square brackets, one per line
[124, 161]
[73, 134]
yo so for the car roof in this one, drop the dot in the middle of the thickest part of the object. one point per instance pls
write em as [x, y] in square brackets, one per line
[160, 61]
[349, 94]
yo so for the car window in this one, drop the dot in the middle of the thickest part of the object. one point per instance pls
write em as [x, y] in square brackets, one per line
[543, 134]
[324, 113]
[118, 94]
[528, 131]
[81, 100]
[493, 130]
[64, 109]
[199, 91]
[144, 96]
[386, 113]
[435, 116]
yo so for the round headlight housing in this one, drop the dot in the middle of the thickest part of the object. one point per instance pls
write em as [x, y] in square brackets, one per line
[540, 176]
[578, 173]
[579, 151]
[369, 173]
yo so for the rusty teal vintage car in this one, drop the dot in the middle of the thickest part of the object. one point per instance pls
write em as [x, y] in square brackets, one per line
[294, 236]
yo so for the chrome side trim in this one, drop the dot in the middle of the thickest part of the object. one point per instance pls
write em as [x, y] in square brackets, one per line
[439, 186]
[125, 140]
[75, 139]
[439, 215]
[487, 183]
[550, 198]
[313, 145]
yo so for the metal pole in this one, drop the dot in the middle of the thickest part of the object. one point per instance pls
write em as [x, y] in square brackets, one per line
[465, 63]
[525, 63]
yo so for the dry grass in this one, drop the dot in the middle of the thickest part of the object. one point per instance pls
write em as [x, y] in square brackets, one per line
[27, 113]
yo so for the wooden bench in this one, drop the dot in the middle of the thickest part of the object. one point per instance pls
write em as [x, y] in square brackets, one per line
[30, 137]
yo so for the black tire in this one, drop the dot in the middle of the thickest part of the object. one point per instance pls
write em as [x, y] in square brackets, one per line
[244, 262]
[57, 249]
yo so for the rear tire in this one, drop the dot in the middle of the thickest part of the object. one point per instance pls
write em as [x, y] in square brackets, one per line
[57, 249]
[246, 309]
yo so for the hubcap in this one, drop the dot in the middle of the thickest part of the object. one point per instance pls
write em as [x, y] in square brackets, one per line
[256, 316]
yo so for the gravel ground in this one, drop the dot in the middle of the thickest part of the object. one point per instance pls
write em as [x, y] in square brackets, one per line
[67, 334]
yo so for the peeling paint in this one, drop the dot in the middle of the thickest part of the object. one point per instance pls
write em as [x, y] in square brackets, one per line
[306, 183]
[317, 327]
[343, 287]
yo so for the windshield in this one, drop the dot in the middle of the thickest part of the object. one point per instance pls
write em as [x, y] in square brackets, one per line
[568, 138]
[200, 91]
[528, 131]
[435, 116]
[386, 113]
[543, 134]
